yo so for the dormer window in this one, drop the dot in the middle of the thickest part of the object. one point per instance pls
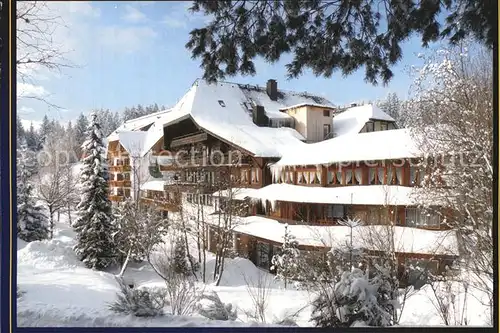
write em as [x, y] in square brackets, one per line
[221, 103]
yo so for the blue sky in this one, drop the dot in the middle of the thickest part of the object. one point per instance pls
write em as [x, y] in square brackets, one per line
[132, 53]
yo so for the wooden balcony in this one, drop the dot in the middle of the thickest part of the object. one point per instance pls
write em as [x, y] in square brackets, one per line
[161, 203]
[120, 183]
[188, 139]
[216, 160]
[120, 168]
[116, 153]
[116, 198]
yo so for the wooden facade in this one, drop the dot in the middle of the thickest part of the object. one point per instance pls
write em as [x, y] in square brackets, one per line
[119, 169]
[403, 172]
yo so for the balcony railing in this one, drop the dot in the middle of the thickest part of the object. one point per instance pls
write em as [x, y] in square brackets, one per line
[116, 198]
[120, 183]
[120, 168]
[214, 160]
[188, 139]
[115, 153]
[163, 203]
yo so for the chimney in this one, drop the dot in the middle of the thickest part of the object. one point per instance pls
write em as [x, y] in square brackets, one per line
[272, 89]
[259, 116]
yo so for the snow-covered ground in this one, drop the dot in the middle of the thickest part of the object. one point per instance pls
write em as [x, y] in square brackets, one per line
[59, 291]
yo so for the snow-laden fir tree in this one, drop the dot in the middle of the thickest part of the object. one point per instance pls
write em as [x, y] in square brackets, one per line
[393, 107]
[31, 221]
[211, 307]
[94, 225]
[180, 263]
[286, 262]
[354, 299]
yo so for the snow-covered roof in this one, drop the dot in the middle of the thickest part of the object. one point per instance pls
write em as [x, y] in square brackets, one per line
[380, 145]
[136, 124]
[382, 195]
[286, 99]
[407, 239]
[154, 185]
[133, 142]
[352, 120]
[236, 193]
[220, 109]
[324, 106]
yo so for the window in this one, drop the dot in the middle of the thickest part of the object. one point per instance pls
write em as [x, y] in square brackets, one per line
[418, 218]
[221, 103]
[419, 269]
[127, 176]
[326, 131]
[383, 126]
[330, 177]
[370, 126]
[371, 175]
[335, 211]
[326, 113]
[263, 250]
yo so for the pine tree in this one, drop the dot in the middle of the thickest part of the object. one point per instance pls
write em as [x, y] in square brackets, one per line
[286, 262]
[32, 139]
[94, 225]
[81, 126]
[20, 128]
[330, 36]
[31, 221]
[355, 298]
[45, 128]
[180, 264]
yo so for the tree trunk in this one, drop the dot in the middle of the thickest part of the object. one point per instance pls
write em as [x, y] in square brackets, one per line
[198, 240]
[125, 263]
[190, 259]
[69, 214]
[51, 221]
[204, 245]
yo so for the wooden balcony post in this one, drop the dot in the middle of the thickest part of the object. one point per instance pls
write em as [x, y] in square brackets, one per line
[323, 175]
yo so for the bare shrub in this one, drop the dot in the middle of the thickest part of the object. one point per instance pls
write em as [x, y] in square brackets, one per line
[449, 298]
[180, 292]
[259, 294]
[138, 302]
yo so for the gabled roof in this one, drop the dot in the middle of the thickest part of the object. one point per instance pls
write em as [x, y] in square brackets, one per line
[137, 124]
[133, 141]
[352, 120]
[220, 110]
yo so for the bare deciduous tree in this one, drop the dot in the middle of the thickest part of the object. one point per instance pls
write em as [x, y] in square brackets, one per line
[37, 48]
[258, 290]
[451, 113]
